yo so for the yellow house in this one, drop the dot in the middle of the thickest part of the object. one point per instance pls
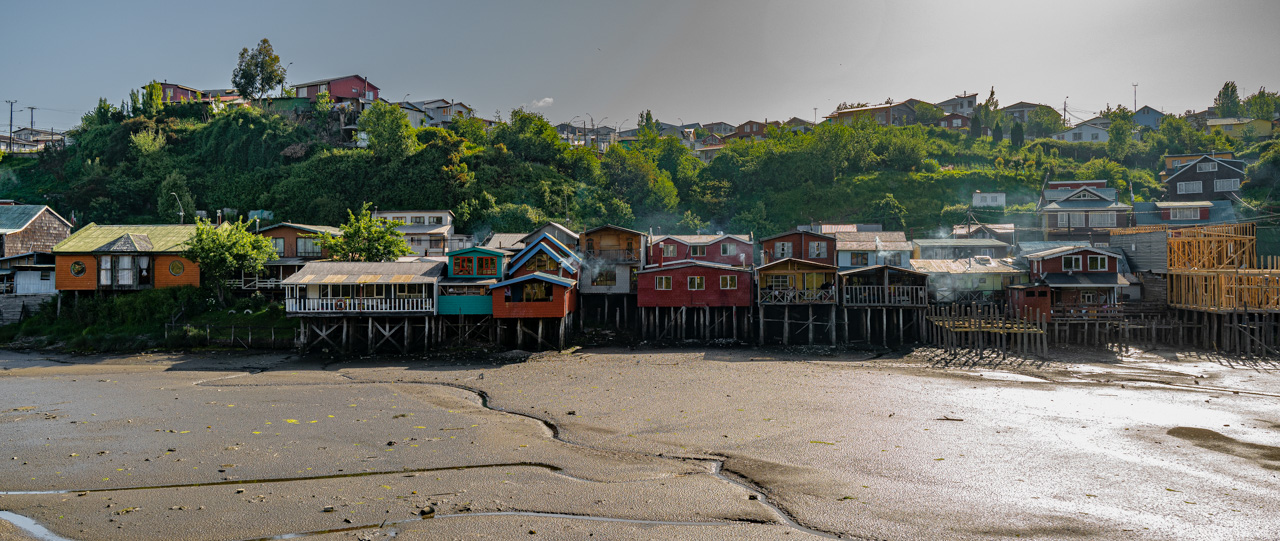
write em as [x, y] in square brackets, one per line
[1240, 127]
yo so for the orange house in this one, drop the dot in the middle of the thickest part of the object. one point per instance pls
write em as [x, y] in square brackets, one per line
[125, 258]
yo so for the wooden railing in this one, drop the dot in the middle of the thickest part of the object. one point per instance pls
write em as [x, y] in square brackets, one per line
[967, 296]
[255, 283]
[358, 305]
[1064, 312]
[826, 295]
[885, 295]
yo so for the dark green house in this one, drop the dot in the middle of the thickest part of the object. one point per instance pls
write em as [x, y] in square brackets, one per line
[465, 288]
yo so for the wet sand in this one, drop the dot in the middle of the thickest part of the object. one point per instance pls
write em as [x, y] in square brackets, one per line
[658, 444]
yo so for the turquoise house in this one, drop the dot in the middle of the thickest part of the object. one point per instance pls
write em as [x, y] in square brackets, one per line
[464, 290]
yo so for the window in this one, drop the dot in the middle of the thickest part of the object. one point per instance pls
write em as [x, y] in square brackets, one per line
[728, 282]
[1087, 297]
[1226, 185]
[1097, 262]
[1177, 163]
[814, 280]
[1071, 263]
[435, 220]
[1190, 187]
[1093, 136]
[1203, 167]
[817, 249]
[302, 92]
[308, 248]
[542, 262]
[894, 259]
[400, 219]
[697, 283]
[955, 123]
[728, 249]
[1077, 136]
[124, 270]
[464, 266]
[1184, 214]
[1063, 219]
[988, 252]
[78, 268]
[104, 271]
[697, 251]
[175, 267]
[779, 281]
[858, 259]
[529, 292]
[782, 249]
[1077, 219]
[668, 250]
[417, 220]
[278, 244]
[324, 88]
[606, 277]
[1102, 219]
[488, 265]
[662, 283]
[44, 275]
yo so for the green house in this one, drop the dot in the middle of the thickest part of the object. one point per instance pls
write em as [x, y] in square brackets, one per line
[465, 288]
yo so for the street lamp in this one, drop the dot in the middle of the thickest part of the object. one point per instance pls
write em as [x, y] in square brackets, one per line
[284, 79]
[181, 214]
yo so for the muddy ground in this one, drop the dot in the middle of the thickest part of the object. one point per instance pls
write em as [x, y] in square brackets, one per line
[648, 444]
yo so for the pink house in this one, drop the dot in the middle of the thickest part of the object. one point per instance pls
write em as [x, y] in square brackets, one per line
[345, 88]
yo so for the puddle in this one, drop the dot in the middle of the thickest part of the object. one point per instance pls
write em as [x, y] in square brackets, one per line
[1010, 376]
[31, 527]
[1263, 455]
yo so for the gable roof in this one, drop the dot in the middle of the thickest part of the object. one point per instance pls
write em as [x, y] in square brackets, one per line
[969, 229]
[365, 272]
[564, 261]
[1231, 164]
[1148, 108]
[558, 280]
[965, 265]
[491, 251]
[553, 225]
[322, 81]
[314, 229]
[949, 243]
[799, 231]
[1067, 250]
[691, 240]
[558, 245]
[1062, 199]
[610, 226]
[822, 266]
[859, 241]
[14, 218]
[93, 237]
[506, 240]
[870, 268]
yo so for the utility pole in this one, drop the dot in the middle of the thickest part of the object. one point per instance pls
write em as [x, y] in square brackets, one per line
[33, 117]
[1064, 111]
[11, 102]
[1135, 97]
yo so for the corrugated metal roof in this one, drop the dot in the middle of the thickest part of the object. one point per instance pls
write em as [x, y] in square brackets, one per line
[344, 272]
[975, 243]
[1220, 212]
[335, 231]
[867, 241]
[163, 238]
[506, 240]
[968, 265]
[1146, 252]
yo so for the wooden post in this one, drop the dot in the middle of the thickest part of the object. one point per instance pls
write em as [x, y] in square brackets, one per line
[811, 324]
[786, 325]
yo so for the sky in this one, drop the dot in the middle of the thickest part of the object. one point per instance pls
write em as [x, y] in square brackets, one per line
[687, 61]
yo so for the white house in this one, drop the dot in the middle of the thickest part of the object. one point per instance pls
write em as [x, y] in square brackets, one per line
[442, 111]
[962, 104]
[428, 232]
[988, 199]
[1083, 133]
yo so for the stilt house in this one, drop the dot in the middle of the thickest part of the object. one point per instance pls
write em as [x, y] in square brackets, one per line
[611, 258]
[539, 295]
[125, 258]
[1072, 284]
[350, 305]
[694, 299]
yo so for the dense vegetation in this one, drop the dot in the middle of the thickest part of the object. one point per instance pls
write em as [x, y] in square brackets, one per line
[129, 162]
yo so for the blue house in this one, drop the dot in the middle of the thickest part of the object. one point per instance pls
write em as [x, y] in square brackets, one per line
[1148, 117]
[465, 288]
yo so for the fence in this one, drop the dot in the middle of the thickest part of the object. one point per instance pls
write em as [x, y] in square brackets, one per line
[413, 304]
[798, 296]
[885, 296]
[242, 336]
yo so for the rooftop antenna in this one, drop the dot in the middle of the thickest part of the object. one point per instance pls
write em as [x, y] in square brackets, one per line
[181, 213]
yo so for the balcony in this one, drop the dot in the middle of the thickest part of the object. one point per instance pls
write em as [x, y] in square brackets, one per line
[826, 295]
[359, 306]
[885, 296]
[255, 283]
[619, 255]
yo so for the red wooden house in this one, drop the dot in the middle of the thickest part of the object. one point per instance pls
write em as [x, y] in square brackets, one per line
[340, 89]
[1068, 283]
[733, 250]
[694, 299]
[803, 245]
[541, 291]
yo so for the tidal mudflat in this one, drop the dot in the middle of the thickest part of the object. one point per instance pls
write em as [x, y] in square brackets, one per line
[656, 444]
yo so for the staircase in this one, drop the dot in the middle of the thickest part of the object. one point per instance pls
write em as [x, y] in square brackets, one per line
[11, 306]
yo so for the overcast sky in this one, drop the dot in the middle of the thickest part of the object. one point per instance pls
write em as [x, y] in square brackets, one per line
[690, 61]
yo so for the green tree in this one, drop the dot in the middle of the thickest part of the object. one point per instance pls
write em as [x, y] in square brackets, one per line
[258, 71]
[99, 116]
[928, 114]
[365, 238]
[1262, 105]
[152, 99]
[168, 206]
[1228, 100]
[690, 223]
[646, 123]
[224, 251]
[470, 128]
[1043, 122]
[321, 111]
[887, 212]
[1118, 114]
[997, 133]
[1016, 136]
[975, 126]
[1120, 139]
[391, 137]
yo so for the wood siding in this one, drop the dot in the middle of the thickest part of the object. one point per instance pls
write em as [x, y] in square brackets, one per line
[85, 282]
[1054, 265]
[647, 294]
[163, 278]
[290, 236]
[800, 248]
[563, 300]
[45, 231]
[741, 257]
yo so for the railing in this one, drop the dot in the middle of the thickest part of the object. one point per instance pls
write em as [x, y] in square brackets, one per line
[358, 305]
[614, 255]
[967, 296]
[255, 283]
[826, 295]
[885, 295]
[1062, 312]
[6, 288]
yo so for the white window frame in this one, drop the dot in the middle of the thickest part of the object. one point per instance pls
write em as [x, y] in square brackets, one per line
[696, 250]
[278, 244]
[1095, 266]
[817, 249]
[1226, 185]
[1077, 219]
[1194, 186]
[728, 281]
[1206, 167]
[697, 283]
[669, 250]
[662, 283]
[1072, 263]
[728, 248]
[1064, 219]
[782, 250]
[1102, 219]
[1192, 213]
